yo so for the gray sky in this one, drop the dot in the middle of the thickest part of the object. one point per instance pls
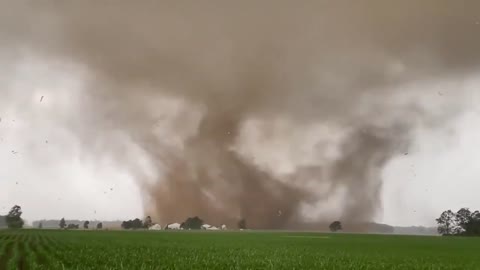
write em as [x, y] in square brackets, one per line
[46, 172]
[113, 111]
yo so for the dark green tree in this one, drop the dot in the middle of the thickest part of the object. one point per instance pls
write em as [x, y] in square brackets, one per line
[473, 228]
[447, 223]
[14, 218]
[194, 223]
[85, 224]
[137, 224]
[242, 224]
[148, 222]
[63, 224]
[462, 218]
[469, 222]
[336, 226]
[3, 222]
[73, 226]
[127, 225]
[99, 226]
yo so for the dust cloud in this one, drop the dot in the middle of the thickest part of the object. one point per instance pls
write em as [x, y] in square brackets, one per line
[214, 91]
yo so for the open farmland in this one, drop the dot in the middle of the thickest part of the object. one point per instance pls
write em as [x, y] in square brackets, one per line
[36, 249]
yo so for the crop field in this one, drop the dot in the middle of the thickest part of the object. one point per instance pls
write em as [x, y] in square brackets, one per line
[51, 249]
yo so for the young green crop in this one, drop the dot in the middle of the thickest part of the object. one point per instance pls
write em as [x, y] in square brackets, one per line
[51, 249]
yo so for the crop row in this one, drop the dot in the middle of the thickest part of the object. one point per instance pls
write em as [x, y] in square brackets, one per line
[27, 251]
[55, 249]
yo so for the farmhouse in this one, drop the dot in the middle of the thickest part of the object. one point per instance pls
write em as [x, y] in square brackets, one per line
[209, 227]
[173, 226]
[155, 227]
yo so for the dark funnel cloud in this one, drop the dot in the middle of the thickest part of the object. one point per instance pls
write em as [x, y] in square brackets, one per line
[184, 80]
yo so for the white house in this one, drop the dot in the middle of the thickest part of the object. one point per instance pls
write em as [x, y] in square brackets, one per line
[173, 226]
[209, 227]
[155, 227]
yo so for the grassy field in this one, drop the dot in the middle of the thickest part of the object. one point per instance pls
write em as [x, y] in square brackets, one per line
[35, 249]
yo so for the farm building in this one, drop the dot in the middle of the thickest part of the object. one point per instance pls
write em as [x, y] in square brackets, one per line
[173, 226]
[155, 227]
[209, 227]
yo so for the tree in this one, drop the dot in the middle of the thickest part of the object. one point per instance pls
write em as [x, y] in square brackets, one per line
[127, 225]
[447, 223]
[462, 218]
[137, 224]
[73, 226]
[85, 224]
[3, 222]
[133, 224]
[242, 224]
[148, 222]
[62, 224]
[99, 226]
[14, 218]
[194, 223]
[40, 225]
[470, 222]
[473, 228]
[336, 226]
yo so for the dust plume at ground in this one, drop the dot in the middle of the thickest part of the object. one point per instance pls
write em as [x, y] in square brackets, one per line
[201, 87]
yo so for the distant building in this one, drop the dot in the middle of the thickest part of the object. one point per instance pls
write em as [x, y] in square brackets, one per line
[209, 227]
[155, 227]
[173, 226]
[3, 222]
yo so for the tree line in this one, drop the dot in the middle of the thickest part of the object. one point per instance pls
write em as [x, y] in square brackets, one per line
[462, 223]
[14, 218]
[191, 223]
[63, 225]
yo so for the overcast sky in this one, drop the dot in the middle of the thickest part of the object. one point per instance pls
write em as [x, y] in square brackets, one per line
[97, 101]
[43, 168]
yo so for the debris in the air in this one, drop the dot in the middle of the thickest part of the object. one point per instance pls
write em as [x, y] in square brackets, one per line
[406, 154]
[14, 152]
[440, 93]
[41, 99]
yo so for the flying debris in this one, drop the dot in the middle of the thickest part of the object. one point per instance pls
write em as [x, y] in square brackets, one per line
[41, 99]
[266, 84]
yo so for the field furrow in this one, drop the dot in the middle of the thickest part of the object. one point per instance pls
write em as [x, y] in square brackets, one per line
[52, 249]
[36, 256]
[7, 254]
[21, 253]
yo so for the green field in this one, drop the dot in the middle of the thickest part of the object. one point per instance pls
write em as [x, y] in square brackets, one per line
[35, 249]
